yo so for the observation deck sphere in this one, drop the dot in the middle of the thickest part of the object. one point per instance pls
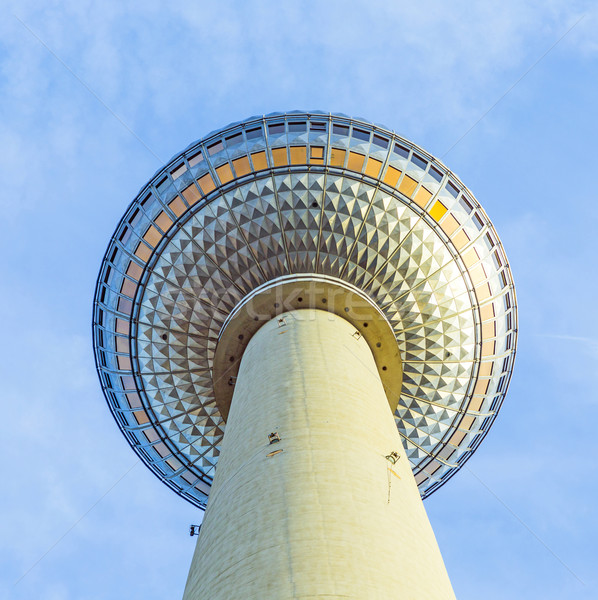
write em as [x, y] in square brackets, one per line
[307, 196]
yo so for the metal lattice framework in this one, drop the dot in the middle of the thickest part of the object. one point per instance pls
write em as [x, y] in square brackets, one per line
[301, 193]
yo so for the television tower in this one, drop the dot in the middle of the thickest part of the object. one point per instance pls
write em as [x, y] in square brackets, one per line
[311, 322]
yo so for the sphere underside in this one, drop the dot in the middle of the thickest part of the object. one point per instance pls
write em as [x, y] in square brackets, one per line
[291, 194]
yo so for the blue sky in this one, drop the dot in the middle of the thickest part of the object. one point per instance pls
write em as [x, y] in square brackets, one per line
[520, 520]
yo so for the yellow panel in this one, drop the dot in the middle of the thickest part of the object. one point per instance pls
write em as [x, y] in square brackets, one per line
[392, 176]
[488, 348]
[489, 329]
[279, 156]
[486, 369]
[177, 206]
[298, 155]
[163, 221]
[372, 167]
[317, 152]
[355, 162]
[134, 271]
[438, 210]
[191, 194]
[242, 166]
[470, 257]
[316, 161]
[206, 183]
[225, 173]
[259, 161]
[143, 252]
[337, 157]
[408, 185]
[122, 326]
[423, 196]
[460, 240]
[487, 311]
[128, 288]
[152, 236]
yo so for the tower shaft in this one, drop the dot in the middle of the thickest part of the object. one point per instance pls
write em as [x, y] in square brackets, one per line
[322, 513]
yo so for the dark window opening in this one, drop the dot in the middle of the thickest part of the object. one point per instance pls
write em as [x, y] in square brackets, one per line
[452, 189]
[401, 150]
[360, 134]
[436, 174]
[276, 128]
[340, 129]
[254, 133]
[380, 141]
[419, 161]
[297, 127]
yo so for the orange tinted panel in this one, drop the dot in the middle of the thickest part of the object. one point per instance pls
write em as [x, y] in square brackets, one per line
[392, 176]
[422, 197]
[372, 167]
[489, 329]
[259, 161]
[206, 183]
[483, 292]
[134, 270]
[177, 206]
[488, 348]
[486, 369]
[224, 173]
[163, 221]
[122, 326]
[460, 240]
[337, 157]
[457, 438]
[355, 162]
[481, 387]
[487, 311]
[477, 274]
[298, 155]
[470, 257]
[152, 236]
[408, 185]
[124, 363]
[143, 252]
[279, 156]
[128, 288]
[141, 417]
[191, 194]
[476, 403]
[242, 166]
[466, 422]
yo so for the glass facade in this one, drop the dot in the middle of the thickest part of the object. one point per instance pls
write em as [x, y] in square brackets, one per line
[303, 193]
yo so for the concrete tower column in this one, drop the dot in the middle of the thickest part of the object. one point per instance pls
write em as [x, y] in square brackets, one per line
[322, 513]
